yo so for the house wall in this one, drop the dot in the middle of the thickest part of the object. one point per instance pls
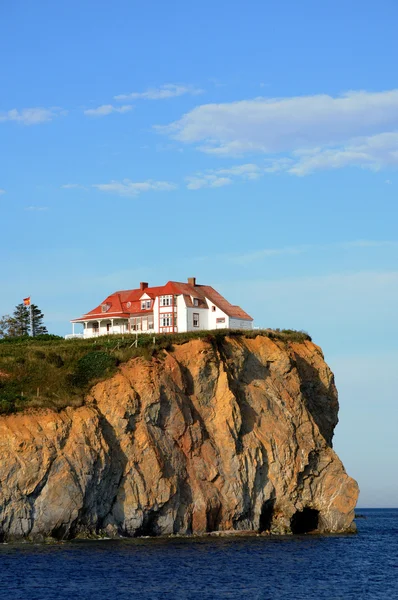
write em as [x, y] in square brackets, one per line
[203, 322]
[181, 315]
[217, 314]
[240, 324]
[156, 315]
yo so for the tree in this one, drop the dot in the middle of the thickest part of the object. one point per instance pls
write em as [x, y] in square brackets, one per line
[19, 323]
[37, 320]
[5, 326]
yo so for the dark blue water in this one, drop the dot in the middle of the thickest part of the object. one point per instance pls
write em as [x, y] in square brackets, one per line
[363, 566]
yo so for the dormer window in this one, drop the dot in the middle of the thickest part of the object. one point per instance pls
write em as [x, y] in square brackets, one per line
[143, 304]
[196, 302]
[105, 307]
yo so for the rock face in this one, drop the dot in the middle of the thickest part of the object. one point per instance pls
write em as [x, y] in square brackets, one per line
[234, 435]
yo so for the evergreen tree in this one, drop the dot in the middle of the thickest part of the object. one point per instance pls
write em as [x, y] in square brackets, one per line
[37, 319]
[20, 321]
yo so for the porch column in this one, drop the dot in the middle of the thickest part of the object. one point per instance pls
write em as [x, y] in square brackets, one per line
[112, 326]
[73, 329]
[99, 326]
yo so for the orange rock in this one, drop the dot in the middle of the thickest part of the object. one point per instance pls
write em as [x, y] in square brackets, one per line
[235, 436]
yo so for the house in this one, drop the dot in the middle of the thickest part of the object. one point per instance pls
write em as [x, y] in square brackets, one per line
[171, 308]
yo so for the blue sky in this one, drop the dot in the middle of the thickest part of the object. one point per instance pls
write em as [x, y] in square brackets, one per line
[252, 144]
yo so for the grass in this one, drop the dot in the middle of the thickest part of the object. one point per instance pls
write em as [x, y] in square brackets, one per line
[49, 371]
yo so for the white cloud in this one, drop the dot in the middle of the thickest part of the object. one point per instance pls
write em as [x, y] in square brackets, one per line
[30, 116]
[2, 192]
[73, 186]
[134, 188]
[274, 125]
[300, 135]
[374, 152]
[221, 177]
[107, 109]
[209, 181]
[169, 90]
[37, 208]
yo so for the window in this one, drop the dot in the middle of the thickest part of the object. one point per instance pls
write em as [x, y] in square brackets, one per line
[213, 308]
[220, 320]
[135, 324]
[150, 322]
[195, 302]
[166, 300]
[196, 319]
[166, 320]
[105, 307]
[95, 327]
[145, 304]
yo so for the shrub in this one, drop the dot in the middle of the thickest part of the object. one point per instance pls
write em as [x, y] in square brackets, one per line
[92, 366]
[55, 359]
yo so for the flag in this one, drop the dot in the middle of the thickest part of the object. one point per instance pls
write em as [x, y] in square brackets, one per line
[26, 301]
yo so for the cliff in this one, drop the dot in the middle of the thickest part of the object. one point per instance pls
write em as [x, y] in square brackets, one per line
[233, 434]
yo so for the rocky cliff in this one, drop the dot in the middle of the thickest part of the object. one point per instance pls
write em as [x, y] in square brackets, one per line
[211, 436]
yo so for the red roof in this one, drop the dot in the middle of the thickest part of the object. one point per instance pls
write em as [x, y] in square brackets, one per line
[126, 303]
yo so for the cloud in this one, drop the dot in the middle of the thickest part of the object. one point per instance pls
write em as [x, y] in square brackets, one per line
[220, 177]
[209, 181]
[274, 125]
[73, 186]
[30, 116]
[169, 90]
[2, 192]
[36, 208]
[257, 255]
[374, 152]
[107, 109]
[133, 188]
[300, 135]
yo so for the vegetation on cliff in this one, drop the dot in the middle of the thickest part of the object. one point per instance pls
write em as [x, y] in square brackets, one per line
[49, 371]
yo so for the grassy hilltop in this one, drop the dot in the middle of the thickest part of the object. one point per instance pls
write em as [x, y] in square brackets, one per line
[49, 371]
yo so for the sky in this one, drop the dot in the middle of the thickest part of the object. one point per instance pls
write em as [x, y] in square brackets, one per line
[251, 144]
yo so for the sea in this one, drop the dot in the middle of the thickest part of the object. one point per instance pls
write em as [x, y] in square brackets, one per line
[363, 566]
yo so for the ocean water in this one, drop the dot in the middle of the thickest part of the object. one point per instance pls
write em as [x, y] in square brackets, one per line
[362, 566]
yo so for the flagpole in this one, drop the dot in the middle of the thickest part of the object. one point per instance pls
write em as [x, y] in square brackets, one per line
[31, 320]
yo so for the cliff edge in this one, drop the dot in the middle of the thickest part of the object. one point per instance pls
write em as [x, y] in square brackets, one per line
[231, 434]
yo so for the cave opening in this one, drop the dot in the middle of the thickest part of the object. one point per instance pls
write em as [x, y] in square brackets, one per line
[305, 521]
[148, 527]
[267, 512]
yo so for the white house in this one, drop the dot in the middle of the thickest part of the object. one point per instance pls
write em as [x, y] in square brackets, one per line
[172, 308]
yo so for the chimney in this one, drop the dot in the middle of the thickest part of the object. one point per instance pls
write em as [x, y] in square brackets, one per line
[192, 281]
[143, 285]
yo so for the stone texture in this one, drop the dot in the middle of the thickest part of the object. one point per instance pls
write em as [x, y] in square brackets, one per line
[234, 435]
